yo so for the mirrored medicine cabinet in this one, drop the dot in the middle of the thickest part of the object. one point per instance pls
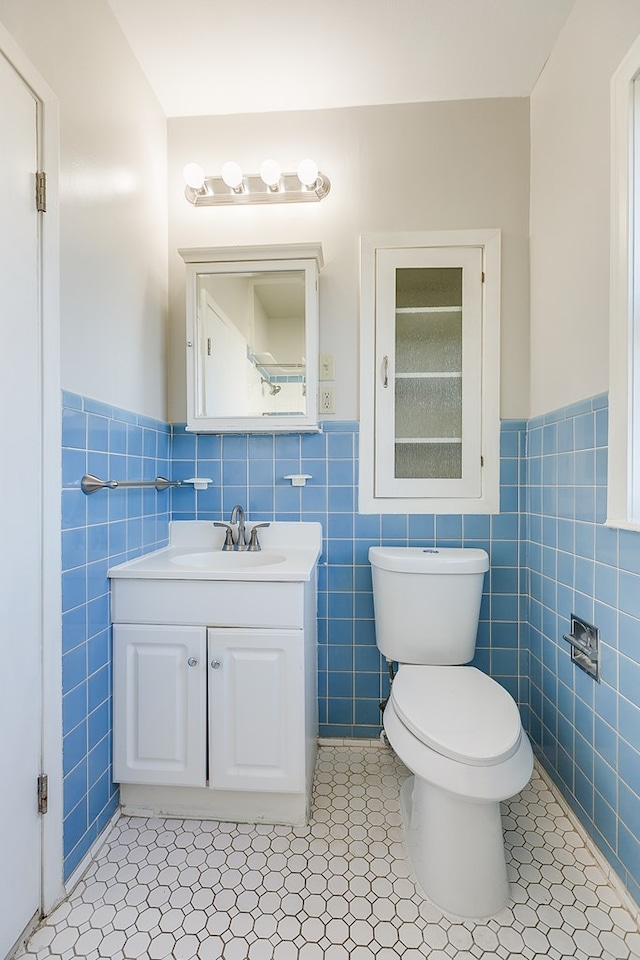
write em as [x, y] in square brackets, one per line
[252, 338]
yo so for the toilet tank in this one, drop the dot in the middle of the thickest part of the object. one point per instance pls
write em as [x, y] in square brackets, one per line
[427, 602]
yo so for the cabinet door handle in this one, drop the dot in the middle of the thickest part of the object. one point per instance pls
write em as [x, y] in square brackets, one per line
[192, 662]
[215, 664]
[385, 371]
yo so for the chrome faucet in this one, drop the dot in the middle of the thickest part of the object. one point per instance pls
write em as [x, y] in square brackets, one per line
[237, 516]
[240, 543]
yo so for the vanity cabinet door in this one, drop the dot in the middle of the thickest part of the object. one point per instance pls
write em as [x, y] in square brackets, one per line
[159, 704]
[256, 709]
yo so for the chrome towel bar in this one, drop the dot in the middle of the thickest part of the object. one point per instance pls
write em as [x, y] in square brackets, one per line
[90, 484]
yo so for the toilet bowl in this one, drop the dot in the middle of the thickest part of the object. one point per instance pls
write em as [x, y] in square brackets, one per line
[460, 734]
[455, 728]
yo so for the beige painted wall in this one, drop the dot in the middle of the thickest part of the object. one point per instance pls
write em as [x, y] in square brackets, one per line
[570, 204]
[113, 201]
[432, 166]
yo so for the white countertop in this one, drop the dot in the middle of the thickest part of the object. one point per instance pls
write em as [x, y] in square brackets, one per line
[289, 552]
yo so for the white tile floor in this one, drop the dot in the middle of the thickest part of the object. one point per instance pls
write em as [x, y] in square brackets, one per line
[339, 888]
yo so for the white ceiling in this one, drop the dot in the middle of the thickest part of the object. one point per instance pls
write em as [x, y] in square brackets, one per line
[212, 57]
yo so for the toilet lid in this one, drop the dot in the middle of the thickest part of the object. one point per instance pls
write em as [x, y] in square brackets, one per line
[457, 711]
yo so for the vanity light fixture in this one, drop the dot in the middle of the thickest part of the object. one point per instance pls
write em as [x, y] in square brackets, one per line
[270, 185]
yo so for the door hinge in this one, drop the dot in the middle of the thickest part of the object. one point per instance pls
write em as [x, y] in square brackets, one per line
[481, 460]
[43, 793]
[41, 192]
[482, 280]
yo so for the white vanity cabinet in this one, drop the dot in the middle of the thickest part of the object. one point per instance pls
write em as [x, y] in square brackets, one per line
[215, 679]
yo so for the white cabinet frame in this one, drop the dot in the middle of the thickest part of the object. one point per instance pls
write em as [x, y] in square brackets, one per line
[430, 496]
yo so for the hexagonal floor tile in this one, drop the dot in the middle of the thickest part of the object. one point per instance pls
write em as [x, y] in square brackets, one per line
[338, 888]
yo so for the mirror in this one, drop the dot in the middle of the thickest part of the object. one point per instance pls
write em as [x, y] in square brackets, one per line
[252, 338]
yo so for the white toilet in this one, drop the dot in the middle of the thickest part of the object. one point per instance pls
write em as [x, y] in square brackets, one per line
[455, 728]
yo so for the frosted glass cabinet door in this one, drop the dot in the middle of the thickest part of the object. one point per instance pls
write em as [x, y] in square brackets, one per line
[159, 704]
[428, 346]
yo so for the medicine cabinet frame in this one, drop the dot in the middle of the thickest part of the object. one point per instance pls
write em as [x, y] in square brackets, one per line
[305, 258]
[478, 488]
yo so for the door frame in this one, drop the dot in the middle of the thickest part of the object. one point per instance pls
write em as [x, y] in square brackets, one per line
[52, 864]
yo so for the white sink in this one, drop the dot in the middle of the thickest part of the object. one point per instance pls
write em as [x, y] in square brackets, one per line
[228, 560]
[289, 553]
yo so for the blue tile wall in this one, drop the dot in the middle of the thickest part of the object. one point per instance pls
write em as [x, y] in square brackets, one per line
[551, 556]
[97, 531]
[352, 678]
[587, 733]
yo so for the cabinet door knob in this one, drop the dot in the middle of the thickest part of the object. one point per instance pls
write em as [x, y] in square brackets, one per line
[215, 664]
[192, 662]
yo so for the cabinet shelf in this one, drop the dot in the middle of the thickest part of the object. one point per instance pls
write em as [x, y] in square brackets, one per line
[405, 310]
[426, 440]
[432, 375]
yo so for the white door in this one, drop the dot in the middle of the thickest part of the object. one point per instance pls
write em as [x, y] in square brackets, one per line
[20, 512]
[159, 704]
[224, 365]
[256, 709]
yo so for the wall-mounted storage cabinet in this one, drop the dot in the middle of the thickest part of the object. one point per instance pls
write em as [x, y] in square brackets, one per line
[430, 372]
[252, 338]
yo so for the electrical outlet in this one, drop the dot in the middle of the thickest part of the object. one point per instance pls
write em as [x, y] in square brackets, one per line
[327, 369]
[327, 401]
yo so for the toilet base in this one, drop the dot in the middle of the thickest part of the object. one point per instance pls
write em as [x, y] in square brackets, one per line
[456, 849]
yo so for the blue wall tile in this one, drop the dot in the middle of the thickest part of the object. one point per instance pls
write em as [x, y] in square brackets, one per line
[550, 555]
[97, 531]
[597, 569]
[254, 467]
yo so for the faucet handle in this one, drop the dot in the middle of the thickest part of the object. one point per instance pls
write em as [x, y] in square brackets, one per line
[228, 538]
[254, 544]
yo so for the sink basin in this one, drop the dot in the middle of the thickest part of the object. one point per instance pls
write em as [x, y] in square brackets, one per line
[220, 560]
[289, 553]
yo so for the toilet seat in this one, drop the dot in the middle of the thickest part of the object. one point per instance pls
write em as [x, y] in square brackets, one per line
[459, 712]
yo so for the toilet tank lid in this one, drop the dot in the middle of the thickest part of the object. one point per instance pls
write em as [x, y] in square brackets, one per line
[431, 560]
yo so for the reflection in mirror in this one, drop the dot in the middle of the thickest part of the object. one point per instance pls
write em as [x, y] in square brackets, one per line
[251, 344]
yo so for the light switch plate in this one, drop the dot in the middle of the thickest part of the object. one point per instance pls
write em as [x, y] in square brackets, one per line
[327, 367]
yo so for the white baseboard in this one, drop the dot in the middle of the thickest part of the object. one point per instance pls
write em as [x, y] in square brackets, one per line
[352, 742]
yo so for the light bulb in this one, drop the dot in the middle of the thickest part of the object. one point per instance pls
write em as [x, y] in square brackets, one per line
[308, 172]
[232, 174]
[194, 176]
[270, 172]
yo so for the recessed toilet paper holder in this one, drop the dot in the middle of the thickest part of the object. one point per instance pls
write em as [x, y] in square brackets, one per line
[585, 646]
